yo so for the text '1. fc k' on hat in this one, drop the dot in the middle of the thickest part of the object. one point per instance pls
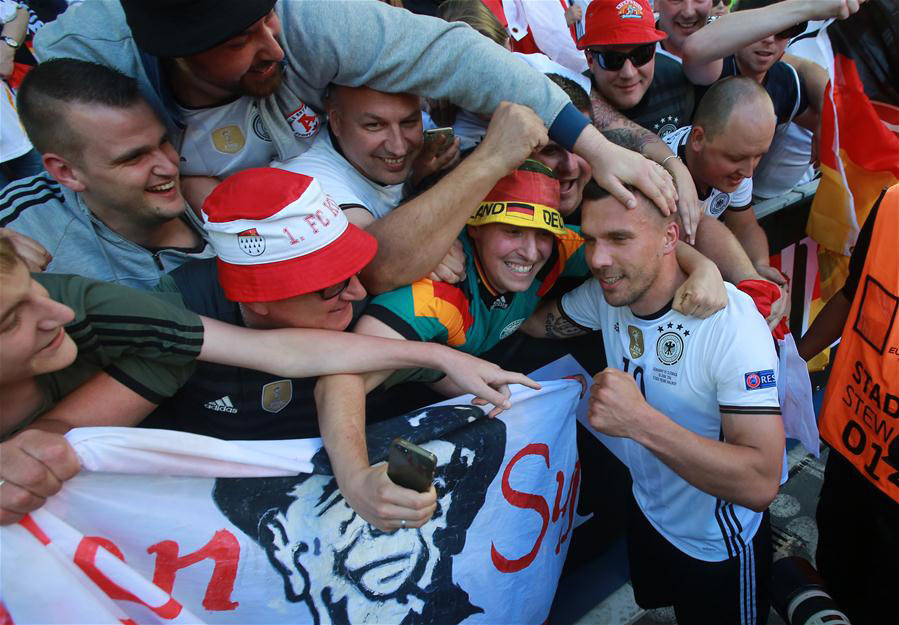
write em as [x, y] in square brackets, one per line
[277, 235]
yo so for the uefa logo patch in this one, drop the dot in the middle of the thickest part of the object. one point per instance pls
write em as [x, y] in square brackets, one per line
[251, 242]
[759, 379]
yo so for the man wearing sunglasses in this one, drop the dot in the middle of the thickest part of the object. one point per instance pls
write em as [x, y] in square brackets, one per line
[649, 89]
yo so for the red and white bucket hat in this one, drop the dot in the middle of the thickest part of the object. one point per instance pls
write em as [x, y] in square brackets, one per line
[277, 234]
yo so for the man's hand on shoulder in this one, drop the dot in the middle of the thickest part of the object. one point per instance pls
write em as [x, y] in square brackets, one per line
[33, 466]
[384, 504]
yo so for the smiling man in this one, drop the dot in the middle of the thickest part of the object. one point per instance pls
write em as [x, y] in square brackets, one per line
[109, 206]
[680, 19]
[696, 406]
[732, 130]
[648, 88]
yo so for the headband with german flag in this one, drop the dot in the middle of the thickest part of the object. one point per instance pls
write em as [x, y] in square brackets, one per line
[528, 197]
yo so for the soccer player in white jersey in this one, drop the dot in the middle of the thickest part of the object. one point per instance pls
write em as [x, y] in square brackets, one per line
[695, 401]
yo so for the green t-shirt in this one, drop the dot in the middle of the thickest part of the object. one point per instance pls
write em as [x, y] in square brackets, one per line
[467, 315]
[146, 341]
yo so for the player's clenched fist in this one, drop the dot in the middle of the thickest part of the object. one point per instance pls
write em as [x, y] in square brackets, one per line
[615, 403]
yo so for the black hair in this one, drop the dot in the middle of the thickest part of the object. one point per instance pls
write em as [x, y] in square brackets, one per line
[49, 87]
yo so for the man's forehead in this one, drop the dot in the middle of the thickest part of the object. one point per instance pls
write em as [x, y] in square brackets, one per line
[366, 98]
[609, 215]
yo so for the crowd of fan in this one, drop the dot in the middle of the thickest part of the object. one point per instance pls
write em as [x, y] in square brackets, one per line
[268, 190]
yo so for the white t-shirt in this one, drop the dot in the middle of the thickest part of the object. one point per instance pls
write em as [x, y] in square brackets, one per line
[222, 140]
[691, 370]
[341, 180]
[717, 201]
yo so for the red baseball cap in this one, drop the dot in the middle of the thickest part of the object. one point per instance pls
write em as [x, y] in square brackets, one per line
[614, 22]
[277, 234]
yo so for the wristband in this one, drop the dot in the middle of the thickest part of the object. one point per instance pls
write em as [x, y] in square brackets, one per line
[665, 160]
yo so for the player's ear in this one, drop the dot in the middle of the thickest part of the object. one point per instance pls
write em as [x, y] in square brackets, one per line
[671, 236]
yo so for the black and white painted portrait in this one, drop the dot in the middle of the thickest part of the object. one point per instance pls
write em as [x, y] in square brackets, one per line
[347, 571]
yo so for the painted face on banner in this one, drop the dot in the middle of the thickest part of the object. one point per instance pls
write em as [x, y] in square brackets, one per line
[346, 570]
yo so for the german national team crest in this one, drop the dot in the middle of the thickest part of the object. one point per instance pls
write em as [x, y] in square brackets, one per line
[669, 348]
[276, 395]
[509, 329]
[303, 121]
[229, 139]
[635, 335]
[251, 242]
[719, 203]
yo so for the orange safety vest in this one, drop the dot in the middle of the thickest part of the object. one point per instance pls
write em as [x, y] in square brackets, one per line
[860, 414]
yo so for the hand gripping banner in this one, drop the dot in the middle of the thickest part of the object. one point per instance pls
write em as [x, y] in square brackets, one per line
[169, 527]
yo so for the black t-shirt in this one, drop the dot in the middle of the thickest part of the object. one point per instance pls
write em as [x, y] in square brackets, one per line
[232, 403]
[783, 84]
[668, 103]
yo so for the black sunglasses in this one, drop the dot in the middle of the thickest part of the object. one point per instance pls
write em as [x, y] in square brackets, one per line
[612, 61]
[330, 292]
[792, 31]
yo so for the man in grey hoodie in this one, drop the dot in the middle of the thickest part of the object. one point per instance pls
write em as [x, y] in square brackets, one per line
[208, 53]
[109, 205]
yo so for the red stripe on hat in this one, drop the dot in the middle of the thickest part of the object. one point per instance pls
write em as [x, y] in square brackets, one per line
[254, 194]
[526, 186]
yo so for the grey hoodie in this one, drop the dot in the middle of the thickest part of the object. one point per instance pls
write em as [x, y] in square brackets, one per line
[346, 42]
[81, 244]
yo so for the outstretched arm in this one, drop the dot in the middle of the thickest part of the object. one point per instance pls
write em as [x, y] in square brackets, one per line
[705, 49]
[303, 353]
[340, 401]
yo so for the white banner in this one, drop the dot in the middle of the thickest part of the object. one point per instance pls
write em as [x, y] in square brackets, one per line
[168, 527]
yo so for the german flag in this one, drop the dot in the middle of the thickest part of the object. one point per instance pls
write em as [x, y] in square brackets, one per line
[859, 140]
[525, 210]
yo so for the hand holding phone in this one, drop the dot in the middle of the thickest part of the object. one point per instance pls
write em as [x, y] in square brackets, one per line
[444, 136]
[411, 466]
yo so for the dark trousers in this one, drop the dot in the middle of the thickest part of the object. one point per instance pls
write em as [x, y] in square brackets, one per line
[858, 544]
[733, 591]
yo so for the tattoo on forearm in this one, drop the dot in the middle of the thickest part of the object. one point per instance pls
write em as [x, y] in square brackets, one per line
[626, 138]
[558, 327]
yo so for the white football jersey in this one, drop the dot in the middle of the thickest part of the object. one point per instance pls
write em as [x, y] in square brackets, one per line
[691, 370]
[221, 140]
[342, 181]
[717, 201]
